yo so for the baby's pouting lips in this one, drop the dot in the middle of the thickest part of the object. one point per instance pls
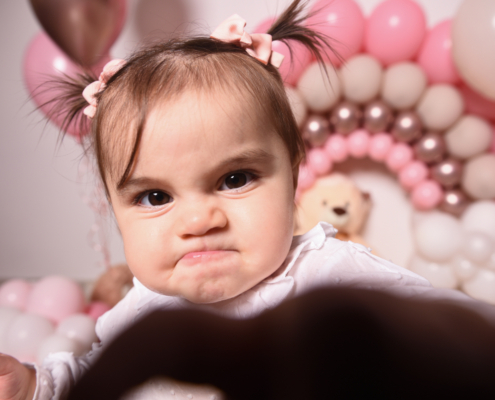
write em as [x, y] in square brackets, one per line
[202, 256]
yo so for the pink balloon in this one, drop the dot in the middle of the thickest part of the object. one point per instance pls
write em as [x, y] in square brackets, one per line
[56, 298]
[395, 31]
[412, 174]
[400, 155]
[291, 69]
[380, 145]
[44, 62]
[336, 147]
[358, 142]
[435, 56]
[477, 104]
[306, 178]
[318, 161]
[426, 195]
[14, 293]
[96, 309]
[343, 22]
[492, 147]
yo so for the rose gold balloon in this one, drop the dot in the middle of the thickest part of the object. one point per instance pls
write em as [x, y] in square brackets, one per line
[430, 148]
[454, 202]
[407, 127]
[447, 173]
[84, 29]
[346, 117]
[377, 117]
[316, 130]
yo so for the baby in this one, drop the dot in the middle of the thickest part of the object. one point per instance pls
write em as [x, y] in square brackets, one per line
[199, 153]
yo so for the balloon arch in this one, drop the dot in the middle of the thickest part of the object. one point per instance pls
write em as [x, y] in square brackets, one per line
[404, 97]
[420, 101]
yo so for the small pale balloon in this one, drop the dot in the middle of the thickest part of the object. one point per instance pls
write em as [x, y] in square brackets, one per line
[440, 106]
[403, 85]
[478, 247]
[361, 78]
[439, 275]
[478, 179]
[480, 217]
[438, 236]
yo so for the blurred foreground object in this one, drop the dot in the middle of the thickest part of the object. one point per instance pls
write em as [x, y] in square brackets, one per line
[330, 343]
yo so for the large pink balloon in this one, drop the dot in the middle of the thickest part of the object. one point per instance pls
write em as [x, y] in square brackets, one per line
[343, 22]
[44, 62]
[291, 68]
[56, 298]
[477, 104]
[395, 31]
[435, 56]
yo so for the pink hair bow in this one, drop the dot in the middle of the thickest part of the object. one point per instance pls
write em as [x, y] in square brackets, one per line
[257, 45]
[92, 89]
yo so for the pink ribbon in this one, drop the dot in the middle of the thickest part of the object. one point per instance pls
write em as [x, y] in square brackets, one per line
[92, 89]
[257, 45]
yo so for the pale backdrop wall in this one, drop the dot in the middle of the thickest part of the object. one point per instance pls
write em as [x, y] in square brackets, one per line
[45, 224]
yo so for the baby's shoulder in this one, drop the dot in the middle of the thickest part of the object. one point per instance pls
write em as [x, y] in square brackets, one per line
[116, 319]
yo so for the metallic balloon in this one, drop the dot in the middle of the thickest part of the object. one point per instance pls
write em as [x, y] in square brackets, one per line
[407, 127]
[447, 173]
[430, 148]
[316, 130]
[377, 117]
[454, 202]
[346, 117]
[84, 29]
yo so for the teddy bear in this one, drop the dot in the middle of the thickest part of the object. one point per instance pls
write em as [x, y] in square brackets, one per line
[112, 285]
[337, 200]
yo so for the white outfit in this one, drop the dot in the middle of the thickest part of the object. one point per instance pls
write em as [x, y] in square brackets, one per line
[315, 259]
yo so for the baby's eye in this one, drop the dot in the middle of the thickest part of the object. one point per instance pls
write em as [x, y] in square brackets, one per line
[155, 199]
[236, 180]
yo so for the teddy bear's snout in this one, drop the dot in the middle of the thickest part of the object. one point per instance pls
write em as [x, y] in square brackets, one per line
[339, 211]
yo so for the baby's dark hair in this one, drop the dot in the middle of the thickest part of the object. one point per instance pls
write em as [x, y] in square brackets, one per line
[161, 71]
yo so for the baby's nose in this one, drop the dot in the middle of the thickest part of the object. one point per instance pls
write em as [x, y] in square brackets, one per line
[197, 220]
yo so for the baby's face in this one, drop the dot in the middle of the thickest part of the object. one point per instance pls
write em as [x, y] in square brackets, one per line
[207, 211]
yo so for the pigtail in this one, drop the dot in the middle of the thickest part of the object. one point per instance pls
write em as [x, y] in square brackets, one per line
[291, 26]
[68, 106]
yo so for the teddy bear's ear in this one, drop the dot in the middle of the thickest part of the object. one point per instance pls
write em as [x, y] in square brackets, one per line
[366, 196]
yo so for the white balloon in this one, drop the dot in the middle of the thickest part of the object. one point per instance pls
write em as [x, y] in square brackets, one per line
[56, 343]
[319, 91]
[480, 217]
[26, 334]
[478, 179]
[439, 275]
[361, 78]
[481, 286]
[438, 236]
[463, 268]
[440, 106]
[7, 315]
[490, 264]
[297, 105]
[468, 137]
[478, 247]
[403, 85]
[79, 327]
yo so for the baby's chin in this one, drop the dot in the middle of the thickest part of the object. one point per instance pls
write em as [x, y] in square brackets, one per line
[212, 292]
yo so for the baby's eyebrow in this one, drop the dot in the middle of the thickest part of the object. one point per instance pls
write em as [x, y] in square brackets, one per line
[254, 156]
